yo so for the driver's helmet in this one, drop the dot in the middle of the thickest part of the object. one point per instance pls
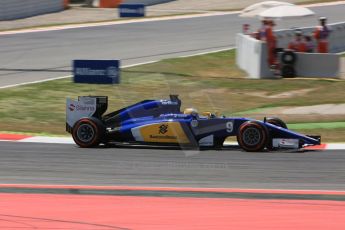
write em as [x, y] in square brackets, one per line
[191, 111]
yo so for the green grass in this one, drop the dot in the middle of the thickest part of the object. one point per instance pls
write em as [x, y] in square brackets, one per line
[329, 131]
[209, 82]
[321, 125]
[35, 134]
[327, 135]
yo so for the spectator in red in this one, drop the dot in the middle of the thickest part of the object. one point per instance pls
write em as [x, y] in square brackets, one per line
[298, 44]
[261, 34]
[321, 35]
[309, 44]
[266, 34]
[271, 43]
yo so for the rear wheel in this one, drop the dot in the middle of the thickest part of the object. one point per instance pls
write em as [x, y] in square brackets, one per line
[88, 132]
[252, 136]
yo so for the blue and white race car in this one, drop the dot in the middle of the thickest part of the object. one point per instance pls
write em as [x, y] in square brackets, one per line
[161, 122]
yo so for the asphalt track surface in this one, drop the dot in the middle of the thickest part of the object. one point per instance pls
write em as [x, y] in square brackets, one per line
[35, 56]
[25, 163]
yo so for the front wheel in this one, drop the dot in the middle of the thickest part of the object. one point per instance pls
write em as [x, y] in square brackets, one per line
[88, 133]
[252, 136]
[277, 122]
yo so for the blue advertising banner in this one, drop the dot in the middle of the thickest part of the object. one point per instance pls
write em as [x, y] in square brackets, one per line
[96, 71]
[131, 10]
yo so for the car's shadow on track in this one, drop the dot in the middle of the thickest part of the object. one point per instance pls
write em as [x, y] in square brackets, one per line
[204, 149]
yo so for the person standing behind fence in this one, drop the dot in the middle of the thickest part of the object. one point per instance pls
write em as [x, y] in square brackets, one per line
[321, 35]
[309, 44]
[261, 34]
[298, 44]
[271, 43]
[265, 34]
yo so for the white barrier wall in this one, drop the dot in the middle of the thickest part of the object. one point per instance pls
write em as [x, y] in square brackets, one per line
[14, 9]
[251, 56]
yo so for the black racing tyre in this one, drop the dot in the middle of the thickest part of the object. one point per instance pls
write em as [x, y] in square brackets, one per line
[88, 132]
[288, 57]
[277, 122]
[288, 71]
[252, 136]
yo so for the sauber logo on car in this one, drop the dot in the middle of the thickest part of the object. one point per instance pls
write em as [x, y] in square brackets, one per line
[73, 108]
[85, 108]
[163, 129]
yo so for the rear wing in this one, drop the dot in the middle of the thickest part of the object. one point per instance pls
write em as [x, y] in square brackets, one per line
[85, 106]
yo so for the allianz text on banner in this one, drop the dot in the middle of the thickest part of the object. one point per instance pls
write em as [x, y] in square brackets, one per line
[96, 71]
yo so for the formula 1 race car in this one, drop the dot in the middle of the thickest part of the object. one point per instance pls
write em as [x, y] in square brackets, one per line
[161, 122]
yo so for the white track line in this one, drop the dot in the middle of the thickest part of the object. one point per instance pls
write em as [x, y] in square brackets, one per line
[48, 140]
[209, 52]
[335, 146]
[33, 82]
[63, 77]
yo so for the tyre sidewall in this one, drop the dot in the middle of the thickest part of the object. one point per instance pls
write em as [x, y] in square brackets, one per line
[291, 60]
[96, 129]
[263, 134]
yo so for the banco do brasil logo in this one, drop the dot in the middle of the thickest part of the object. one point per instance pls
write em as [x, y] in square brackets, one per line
[163, 129]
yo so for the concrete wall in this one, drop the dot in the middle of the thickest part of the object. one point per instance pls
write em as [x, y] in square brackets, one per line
[14, 9]
[147, 2]
[317, 65]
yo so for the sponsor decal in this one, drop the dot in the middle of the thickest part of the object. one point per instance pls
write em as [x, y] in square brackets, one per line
[97, 71]
[163, 137]
[163, 129]
[85, 108]
[132, 11]
[229, 126]
[111, 71]
[166, 102]
[285, 143]
[167, 132]
[194, 123]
